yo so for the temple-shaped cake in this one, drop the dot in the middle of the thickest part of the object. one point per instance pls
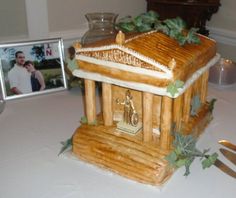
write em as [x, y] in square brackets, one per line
[141, 101]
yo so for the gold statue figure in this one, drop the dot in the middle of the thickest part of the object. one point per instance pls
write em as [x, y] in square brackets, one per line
[130, 114]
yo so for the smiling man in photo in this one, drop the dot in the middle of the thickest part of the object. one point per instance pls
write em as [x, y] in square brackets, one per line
[19, 77]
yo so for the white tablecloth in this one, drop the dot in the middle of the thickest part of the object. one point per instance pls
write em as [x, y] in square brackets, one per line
[30, 133]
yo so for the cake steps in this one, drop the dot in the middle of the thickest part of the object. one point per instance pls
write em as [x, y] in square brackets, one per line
[125, 156]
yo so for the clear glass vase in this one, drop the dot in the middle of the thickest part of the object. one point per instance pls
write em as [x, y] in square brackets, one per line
[101, 26]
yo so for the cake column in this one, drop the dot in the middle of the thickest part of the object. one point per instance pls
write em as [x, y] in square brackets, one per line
[177, 112]
[204, 86]
[197, 87]
[157, 111]
[166, 122]
[187, 104]
[90, 100]
[147, 116]
[107, 104]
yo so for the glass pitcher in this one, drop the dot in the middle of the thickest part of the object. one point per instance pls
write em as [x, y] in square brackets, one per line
[101, 26]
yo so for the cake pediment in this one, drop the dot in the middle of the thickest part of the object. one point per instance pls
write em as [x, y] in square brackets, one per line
[119, 56]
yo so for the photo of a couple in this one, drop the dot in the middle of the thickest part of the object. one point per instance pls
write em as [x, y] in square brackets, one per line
[31, 68]
[23, 77]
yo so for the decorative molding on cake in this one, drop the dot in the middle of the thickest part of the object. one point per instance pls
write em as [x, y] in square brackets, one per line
[140, 35]
[144, 87]
[224, 36]
[124, 67]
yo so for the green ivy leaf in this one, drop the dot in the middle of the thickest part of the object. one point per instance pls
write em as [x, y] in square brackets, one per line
[171, 158]
[187, 165]
[185, 144]
[177, 24]
[138, 21]
[162, 28]
[209, 160]
[181, 162]
[179, 84]
[172, 88]
[144, 28]
[66, 145]
[212, 104]
[173, 33]
[84, 120]
[127, 27]
[141, 23]
[192, 37]
[181, 39]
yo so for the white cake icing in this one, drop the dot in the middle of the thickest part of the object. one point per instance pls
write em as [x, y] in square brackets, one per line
[140, 35]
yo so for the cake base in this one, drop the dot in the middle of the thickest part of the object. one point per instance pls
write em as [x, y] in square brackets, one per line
[127, 155]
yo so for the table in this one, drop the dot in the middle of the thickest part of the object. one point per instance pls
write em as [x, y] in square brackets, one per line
[31, 130]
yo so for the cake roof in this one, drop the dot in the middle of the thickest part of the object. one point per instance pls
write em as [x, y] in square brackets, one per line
[150, 58]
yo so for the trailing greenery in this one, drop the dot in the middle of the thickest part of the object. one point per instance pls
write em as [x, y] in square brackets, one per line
[175, 28]
[212, 104]
[66, 145]
[185, 152]
[173, 87]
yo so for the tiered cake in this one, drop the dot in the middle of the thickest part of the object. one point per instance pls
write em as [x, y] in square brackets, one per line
[135, 74]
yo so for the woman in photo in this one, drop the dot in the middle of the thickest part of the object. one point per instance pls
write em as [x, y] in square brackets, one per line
[37, 79]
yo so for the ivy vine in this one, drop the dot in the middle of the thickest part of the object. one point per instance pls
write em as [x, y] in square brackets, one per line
[175, 28]
[185, 152]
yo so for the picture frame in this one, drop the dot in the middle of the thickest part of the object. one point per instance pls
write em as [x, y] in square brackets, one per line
[39, 61]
